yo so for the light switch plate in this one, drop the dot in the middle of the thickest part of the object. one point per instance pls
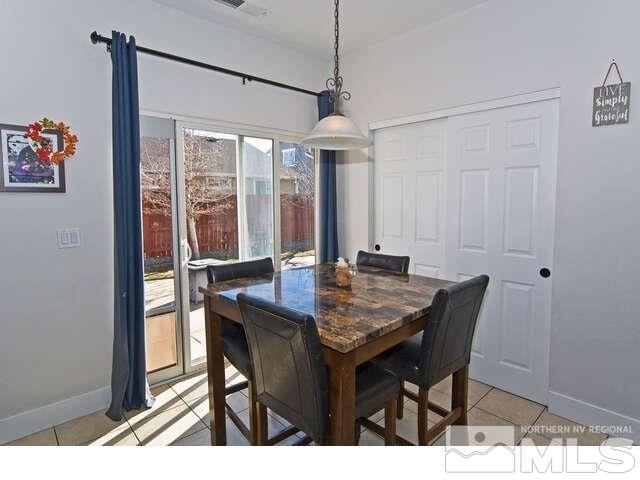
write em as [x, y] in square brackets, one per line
[68, 237]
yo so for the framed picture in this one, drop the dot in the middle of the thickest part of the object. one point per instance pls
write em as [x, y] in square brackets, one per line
[22, 170]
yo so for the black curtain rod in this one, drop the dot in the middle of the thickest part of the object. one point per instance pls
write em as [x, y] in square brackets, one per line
[96, 38]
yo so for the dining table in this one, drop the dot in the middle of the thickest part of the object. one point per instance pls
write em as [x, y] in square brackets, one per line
[377, 311]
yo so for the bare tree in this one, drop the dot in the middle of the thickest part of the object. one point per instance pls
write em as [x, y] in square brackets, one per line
[207, 185]
[302, 172]
[299, 172]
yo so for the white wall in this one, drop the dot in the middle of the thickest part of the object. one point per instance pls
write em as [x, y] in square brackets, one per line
[504, 48]
[56, 305]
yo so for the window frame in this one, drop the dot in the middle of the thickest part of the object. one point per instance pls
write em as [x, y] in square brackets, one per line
[277, 136]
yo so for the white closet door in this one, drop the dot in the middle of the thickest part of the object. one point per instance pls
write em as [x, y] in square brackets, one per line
[409, 194]
[501, 177]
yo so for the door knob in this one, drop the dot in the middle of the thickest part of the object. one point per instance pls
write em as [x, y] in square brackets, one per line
[377, 248]
[545, 272]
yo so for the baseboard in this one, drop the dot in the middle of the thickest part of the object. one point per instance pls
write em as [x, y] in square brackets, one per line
[31, 421]
[588, 414]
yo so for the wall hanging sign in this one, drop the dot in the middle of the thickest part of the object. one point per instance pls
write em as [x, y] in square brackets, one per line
[611, 103]
[32, 157]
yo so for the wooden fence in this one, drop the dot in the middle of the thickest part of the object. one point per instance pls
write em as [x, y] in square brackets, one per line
[218, 233]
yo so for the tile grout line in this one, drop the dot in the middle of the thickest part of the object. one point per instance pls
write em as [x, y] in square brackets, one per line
[184, 438]
[538, 417]
[126, 420]
[511, 421]
[207, 426]
[132, 430]
[207, 399]
[182, 415]
[478, 401]
[532, 424]
[178, 396]
[206, 395]
[544, 407]
[498, 416]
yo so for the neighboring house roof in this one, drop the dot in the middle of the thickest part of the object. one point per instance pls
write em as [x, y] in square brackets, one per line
[224, 152]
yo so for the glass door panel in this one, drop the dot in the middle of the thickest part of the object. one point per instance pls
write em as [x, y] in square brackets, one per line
[297, 181]
[210, 163]
[163, 350]
[228, 187]
[257, 175]
[225, 198]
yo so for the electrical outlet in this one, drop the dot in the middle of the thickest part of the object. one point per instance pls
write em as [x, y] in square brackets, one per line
[68, 237]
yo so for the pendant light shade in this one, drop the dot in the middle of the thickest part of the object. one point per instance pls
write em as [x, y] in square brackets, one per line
[336, 132]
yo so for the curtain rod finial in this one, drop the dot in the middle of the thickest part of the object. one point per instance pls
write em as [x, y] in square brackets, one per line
[94, 37]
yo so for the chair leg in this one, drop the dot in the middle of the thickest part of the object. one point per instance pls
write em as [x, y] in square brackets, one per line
[390, 423]
[400, 407]
[262, 425]
[423, 408]
[253, 415]
[460, 393]
[357, 433]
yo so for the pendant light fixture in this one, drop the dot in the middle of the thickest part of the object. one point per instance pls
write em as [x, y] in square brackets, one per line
[335, 131]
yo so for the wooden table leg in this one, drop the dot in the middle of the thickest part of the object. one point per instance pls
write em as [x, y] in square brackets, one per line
[460, 393]
[342, 396]
[215, 374]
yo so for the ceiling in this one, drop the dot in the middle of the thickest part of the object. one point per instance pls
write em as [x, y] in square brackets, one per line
[307, 25]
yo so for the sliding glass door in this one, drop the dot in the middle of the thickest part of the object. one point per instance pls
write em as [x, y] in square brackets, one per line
[297, 182]
[207, 182]
[257, 190]
[161, 259]
[226, 195]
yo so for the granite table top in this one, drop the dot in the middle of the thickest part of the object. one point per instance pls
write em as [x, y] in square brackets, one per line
[377, 302]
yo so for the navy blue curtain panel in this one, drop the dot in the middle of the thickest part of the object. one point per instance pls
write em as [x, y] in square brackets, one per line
[129, 376]
[327, 194]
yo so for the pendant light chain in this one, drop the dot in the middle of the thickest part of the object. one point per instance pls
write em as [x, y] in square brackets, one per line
[336, 131]
[334, 85]
[336, 43]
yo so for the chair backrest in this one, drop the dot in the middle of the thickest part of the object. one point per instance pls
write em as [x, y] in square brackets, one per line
[387, 262]
[448, 333]
[230, 271]
[290, 375]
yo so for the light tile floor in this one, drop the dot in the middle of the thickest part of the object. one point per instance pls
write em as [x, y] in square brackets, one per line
[180, 416]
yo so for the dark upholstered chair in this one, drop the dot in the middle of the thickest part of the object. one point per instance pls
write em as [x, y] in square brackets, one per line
[442, 349]
[386, 262]
[290, 373]
[234, 340]
[230, 271]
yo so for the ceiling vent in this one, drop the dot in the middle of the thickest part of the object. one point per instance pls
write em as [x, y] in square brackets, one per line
[244, 7]
[230, 3]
